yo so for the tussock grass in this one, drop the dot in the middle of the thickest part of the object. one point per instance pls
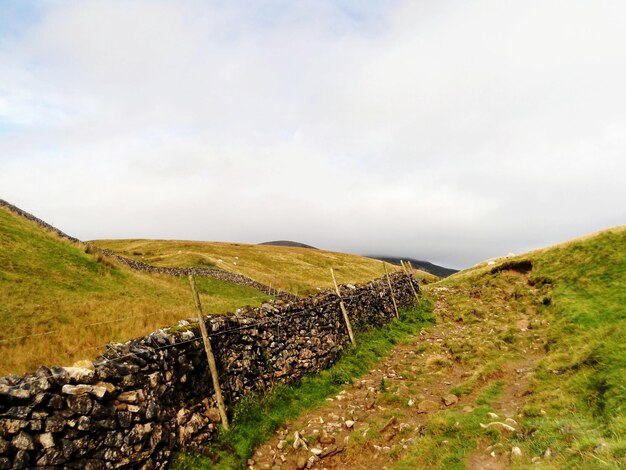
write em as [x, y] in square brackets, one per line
[296, 270]
[48, 284]
[481, 376]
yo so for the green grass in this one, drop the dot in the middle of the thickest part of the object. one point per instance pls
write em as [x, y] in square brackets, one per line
[256, 418]
[449, 436]
[581, 384]
[577, 297]
[50, 284]
[574, 304]
[480, 377]
[576, 405]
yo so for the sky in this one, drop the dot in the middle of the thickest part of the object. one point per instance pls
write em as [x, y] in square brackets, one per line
[448, 131]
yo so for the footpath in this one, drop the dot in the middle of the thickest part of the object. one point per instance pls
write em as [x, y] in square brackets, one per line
[471, 371]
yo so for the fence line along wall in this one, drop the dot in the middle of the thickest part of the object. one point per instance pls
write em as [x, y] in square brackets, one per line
[215, 273]
[146, 397]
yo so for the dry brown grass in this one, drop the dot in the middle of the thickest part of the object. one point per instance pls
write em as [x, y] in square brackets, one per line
[53, 291]
[297, 270]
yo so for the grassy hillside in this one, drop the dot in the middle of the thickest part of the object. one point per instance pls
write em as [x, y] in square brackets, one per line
[297, 270]
[559, 313]
[531, 350]
[581, 384]
[48, 284]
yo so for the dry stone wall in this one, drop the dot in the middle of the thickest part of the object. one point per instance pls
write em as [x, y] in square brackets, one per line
[196, 271]
[144, 398]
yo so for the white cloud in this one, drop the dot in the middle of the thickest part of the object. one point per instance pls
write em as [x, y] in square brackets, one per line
[452, 131]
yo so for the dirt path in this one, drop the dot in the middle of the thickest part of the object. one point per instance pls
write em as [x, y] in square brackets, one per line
[375, 421]
[507, 409]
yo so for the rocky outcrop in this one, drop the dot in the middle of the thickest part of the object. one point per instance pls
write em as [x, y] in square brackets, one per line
[144, 398]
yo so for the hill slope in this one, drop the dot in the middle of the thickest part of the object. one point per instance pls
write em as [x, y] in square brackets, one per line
[523, 369]
[52, 287]
[558, 313]
[294, 269]
[288, 243]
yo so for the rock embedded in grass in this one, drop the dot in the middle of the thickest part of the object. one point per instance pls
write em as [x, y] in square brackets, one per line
[427, 406]
[301, 462]
[450, 399]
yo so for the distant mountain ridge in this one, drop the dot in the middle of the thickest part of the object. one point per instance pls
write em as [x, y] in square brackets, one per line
[439, 271]
[289, 243]
[418, 264]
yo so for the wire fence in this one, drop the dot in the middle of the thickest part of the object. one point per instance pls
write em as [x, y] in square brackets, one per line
[134, 264]
[104, 322]
[277, 320]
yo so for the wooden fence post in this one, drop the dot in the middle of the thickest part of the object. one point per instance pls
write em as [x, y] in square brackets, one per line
[391, 290]
[343, 308]
[406, 270]
[404, 267]
[210, 356]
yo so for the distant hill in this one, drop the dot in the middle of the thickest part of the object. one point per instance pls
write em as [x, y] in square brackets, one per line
[431, 268]
[288, 243]
[293, 269]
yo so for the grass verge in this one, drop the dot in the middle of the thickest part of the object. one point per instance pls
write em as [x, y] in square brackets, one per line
[256, 418]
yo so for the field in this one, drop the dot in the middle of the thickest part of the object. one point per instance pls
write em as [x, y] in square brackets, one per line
[547, 345]
[63, 302]
[296, 270]
[53, 291]
[534, 342]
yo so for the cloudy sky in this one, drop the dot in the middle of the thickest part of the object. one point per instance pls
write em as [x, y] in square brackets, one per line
[442, 130]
